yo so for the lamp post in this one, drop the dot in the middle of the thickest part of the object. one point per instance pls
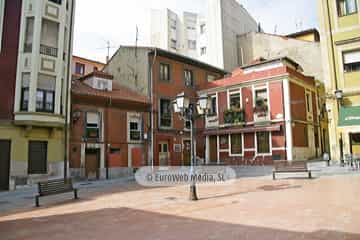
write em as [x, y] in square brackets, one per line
[339, 98]
[190, 112]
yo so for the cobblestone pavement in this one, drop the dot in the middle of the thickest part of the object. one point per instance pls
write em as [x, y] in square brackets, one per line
[251, 208]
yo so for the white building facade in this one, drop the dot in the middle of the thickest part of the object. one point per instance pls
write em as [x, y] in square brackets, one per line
[211, 38]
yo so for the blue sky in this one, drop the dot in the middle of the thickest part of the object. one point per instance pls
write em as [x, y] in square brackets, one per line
[116, 20]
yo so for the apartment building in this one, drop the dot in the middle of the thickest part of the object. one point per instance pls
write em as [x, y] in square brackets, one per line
[340, 31]
[81, 67]
[35, 56]
[161, 75]
[109, 128]
[210, 38]
[263, 112]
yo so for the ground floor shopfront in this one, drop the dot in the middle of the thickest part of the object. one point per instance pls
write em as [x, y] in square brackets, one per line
[29, 154]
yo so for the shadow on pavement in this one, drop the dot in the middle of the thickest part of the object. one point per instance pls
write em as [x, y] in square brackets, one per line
[133, 224]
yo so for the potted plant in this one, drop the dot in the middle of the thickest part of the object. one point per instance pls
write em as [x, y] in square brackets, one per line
[238, 115]
[228, 116]
[261, 105]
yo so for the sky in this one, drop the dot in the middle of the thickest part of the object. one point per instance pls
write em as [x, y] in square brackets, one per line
[99, 21]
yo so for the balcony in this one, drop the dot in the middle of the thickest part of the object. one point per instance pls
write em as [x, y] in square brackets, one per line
[234, 116]
[49, 51]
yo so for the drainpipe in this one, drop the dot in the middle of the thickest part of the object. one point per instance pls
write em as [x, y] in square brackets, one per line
[106, 136]
[152, 109]
[68, 89]
[335, 75]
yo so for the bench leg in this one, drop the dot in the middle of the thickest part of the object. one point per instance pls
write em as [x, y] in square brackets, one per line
[37, 201]
[75, 194]
[310, 175]
[273, 175]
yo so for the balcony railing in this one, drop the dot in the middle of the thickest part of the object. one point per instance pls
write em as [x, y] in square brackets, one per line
[49, 51]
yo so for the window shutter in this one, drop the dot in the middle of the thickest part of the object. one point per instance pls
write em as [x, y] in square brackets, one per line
[92, 118]
[46, 82]
[352, 57]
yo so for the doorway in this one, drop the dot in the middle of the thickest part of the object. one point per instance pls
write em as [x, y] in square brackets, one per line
[187, 152]
[164, 154]
[92, 164]
[213, 149]
[355, 144]
[5, 147]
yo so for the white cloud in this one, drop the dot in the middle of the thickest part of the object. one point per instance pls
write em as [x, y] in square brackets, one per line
[98, 21]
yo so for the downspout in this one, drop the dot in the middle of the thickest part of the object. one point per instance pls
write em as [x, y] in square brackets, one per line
[68, 89]
[335, 74]
[106, 142]
[152, 120]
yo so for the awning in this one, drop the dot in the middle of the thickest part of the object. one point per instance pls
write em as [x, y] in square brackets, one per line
[271, 128]
[349, 116]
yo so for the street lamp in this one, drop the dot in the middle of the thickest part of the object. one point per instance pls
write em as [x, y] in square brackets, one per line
[189, 112]
[339, 95]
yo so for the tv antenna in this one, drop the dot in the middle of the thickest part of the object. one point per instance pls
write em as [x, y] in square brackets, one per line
[108, 47]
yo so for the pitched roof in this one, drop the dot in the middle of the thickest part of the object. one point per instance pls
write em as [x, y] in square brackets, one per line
[118, 93]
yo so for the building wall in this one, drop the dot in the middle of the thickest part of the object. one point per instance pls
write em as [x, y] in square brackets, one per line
[254, 45]
[130, 68]
[89, 66]
[114, 135]
[339, 34]
[8, 56]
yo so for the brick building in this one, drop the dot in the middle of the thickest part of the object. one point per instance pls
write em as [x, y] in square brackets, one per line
[162, 75]
[109, 128]
[81, 67]
[265, 111]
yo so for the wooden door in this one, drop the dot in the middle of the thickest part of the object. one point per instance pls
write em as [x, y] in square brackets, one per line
[164, 154]
[213, 149]
[92, 163]
[187, 152]
[355, 145]
[37, 162]
[4, 164]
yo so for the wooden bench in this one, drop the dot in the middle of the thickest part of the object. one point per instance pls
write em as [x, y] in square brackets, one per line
[291, 167]
[53, 187]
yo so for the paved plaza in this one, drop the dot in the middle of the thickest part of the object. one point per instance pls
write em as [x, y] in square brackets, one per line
[326, 207]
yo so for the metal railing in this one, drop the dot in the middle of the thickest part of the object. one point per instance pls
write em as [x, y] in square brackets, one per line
[49, 51]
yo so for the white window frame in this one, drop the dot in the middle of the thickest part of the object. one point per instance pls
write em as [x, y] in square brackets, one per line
[233, 92]
[242, 147]
[139, 123]
[270, 145]
[217, 105]
[2, 14]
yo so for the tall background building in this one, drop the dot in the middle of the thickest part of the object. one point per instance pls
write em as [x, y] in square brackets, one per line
[340, 31]
[211, 38]
[35, 60]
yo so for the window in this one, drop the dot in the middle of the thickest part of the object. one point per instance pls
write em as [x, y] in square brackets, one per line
[56, 1]
[29, 34]
[92, 125]
[211, 78]
[189, 78]
[202, 28]
[135, 131]
[80, 69]
[49, 38]
[192, 44]
[351, 61]
[236, 144]
[25, 83]
[173, 44]
[235, 100]
[346, 7]
[45, 93]
[263, 142]
[164, 74]
[187, 125]
[203, 51]
[261, 101]
[2, 10]
[213, 109]
[37, 157]
[308, 102]
[165, 113]
[172, 24]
